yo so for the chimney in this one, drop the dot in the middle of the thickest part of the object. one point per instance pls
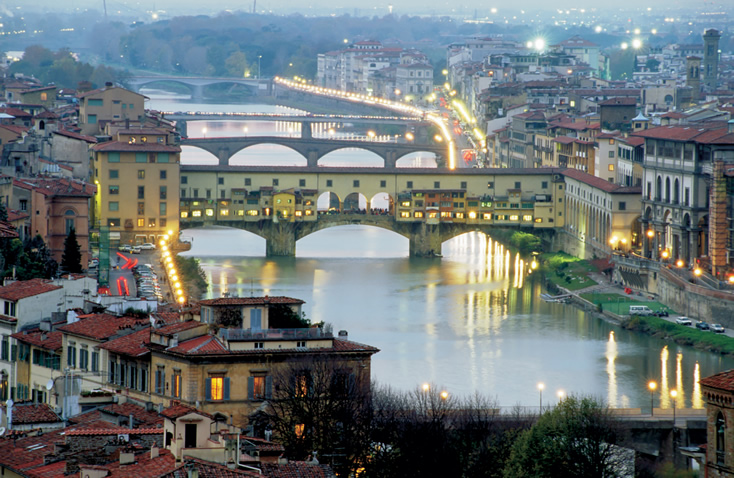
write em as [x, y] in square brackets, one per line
[153, 452]
[127, 458]
[731, 125]
[108, 84]
[160, 408]
[131, 422]
[343, 334]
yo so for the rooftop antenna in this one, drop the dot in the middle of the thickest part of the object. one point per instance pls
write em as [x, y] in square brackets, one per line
[104, 3]
[254, 6]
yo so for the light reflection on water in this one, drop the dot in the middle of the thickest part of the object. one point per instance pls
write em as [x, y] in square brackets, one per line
[457, 321]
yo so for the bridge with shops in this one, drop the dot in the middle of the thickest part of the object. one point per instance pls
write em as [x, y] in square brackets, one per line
[427, 206]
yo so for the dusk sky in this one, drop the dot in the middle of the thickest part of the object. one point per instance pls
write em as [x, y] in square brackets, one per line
[400, 7]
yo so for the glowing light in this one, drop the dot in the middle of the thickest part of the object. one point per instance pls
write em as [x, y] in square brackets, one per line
[426, 387]
[650, 233]
[539, 44]
[444, 394]
[679, 263]
[697, 272]
[598, 29]
[636, 43]
[624, 45]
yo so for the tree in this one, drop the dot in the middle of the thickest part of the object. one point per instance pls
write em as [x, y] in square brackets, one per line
[34, 260]
[281, 316]
[71, 259]
[320, 404]
[525, 242]
[3, 212]
[577, 438]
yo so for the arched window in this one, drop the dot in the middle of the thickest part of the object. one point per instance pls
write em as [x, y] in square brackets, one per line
[69, 221]
[659, 189]
[676, 192]
[720, 439]
[667, 190]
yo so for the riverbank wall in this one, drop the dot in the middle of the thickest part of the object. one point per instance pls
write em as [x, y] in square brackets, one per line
[570, 244]
[695, 301]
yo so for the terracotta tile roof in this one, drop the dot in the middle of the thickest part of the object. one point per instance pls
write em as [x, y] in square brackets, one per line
[62, 187]
[177, 327]
[178, 410]
[709, 134]
[40, 338]
[264, 445]
[144, 466]
[17, 215]
[167, 317]
[15, 129]
[342, 345]
[95, 431]
[32, 413]
[209, 470]
[18, 113]
[136, 147]
[52, 470]
[632, 140]
[720, 381]
[140, 414]
[70, 134]
[27, 288]
[203, 345]
[132, 345]
[296, 469]
[596, 182]
[7, 319]
[101, 326]
[251, 301]
[7, 229]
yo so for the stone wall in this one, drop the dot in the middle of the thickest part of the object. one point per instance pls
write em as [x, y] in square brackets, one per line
[695, 301]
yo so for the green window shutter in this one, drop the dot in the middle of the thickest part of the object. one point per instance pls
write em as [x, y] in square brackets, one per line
[268, 387]
[163, 158]
[208, 389]
[226, 388]
[113, 157]
[250, 388]
[141, 158]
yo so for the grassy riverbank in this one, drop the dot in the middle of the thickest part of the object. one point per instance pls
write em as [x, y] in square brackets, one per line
[567, 271]
[681, 334]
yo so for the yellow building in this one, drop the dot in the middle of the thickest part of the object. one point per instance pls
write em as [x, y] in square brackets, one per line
[111, 103]
[137, 177]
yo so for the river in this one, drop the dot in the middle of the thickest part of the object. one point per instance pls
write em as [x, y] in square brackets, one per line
[464, 322]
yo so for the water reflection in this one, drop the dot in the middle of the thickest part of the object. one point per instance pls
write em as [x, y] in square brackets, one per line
[611, 371]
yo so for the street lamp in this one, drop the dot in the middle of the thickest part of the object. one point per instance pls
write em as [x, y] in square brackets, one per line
[258, 66]
[673, 395]
[652, 385]
[541, 386]
[560, 394]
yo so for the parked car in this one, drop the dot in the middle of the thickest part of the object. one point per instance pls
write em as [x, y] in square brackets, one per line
[683, 321]
[661, 313]
[147, 246]
[701, 325]
[92, 264]
[135, 250]
[718, 328]
[124, 248]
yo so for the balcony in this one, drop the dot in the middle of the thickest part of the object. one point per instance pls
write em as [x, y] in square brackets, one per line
[234, 335]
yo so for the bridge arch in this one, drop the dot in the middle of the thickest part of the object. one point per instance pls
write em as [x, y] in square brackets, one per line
[336, 158]
[417, 159]
[273, 154]
[328, 201]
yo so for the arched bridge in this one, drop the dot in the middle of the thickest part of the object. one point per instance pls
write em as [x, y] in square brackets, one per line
[313, 149]
[428, 206]
[258, 87]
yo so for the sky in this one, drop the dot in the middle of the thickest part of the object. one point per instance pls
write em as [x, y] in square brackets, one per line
[380, 8]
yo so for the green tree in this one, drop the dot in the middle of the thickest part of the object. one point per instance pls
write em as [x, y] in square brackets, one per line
[577, 438]
[71, 259]
[281, 316]
[236, 64]
[3, 212]
[33, 261]
[525, 242]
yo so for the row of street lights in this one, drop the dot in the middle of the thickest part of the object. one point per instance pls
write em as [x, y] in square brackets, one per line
[652, 385]
[171, 272]
[541, 387]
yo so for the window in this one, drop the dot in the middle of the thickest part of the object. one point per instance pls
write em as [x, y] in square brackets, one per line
[141, 174]
[141, 222]
[436, 184]
[95, 361]
[163, 192]
[208, 193]
[113, 222]
[69, 225]
[259, 387]
[275, 182]
[220, 181]
[490, 185]
[409, 184]
[256, 319]
[94, 102]
[92, 119]
[302, 183]
[248, 182]
[259, 345]
[162, 209]
[196, 192]
[113, 157]
[611, 154]
[163, 157]
[114, 173]
[5, 351]
[610, 167]
[113, 190]
[141, 158]
[383, 184]
[355, 183]
[141, 208]
[151, 222]
[217, 388]
[720, 439]
[517, 184]
[329, 183]
[302, 382]
[160, 380]
[83, 358]
[71, 356]
[114, 206]
[176, 384]
[164, 174]
[141, 192]
[299, 429]
[544, 185]
[184, 179]
[622, 206]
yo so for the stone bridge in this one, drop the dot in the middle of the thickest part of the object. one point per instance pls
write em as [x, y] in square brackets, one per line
[425, 239]
[314, 149]
[258, 87]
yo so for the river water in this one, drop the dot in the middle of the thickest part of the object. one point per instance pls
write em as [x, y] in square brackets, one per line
[465, 322]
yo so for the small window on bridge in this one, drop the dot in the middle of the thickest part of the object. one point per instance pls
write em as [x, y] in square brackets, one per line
[383, 184]
[220, 180]
[184, 179]
[355, 183]
[490, 185]
[409, 184]
[437, 184]
[538, 219]
[302, 183]
[517, 185]
[329, 183]
[275, 182]
[248, 182]
[463, 185]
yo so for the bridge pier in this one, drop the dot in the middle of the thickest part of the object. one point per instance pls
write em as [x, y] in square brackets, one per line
[391, 159]
[197, 93]
[223, 155]
[306, 132]
[312, 160]
[280, 239]
[425, 240]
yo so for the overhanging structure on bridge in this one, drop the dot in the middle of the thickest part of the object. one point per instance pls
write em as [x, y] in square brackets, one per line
[258, 87]
[428, 206]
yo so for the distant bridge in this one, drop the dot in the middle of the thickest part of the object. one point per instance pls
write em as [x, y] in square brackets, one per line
[258, 87]
[314, 149]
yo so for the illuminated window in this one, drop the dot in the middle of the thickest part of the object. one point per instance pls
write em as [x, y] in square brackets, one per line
[405, 203]
[459, 215]
[487, 216]
[224, 212]
[241, 212]
[309, 212]
[405, 214]
[299, 430]
[301, 383]
[252, 212]
[210, 212]
[299, 213]
[184, 214]
[514, 217]
[217, 388]
[176, 384]
[196, 213]
[472, 215]
[141, 222]
[141, 174]
[446, 214]
[258, 387]
[611, 167]
[151, 222]
[419, 214]
[527, 218]
[433, 214]
[538, 219]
